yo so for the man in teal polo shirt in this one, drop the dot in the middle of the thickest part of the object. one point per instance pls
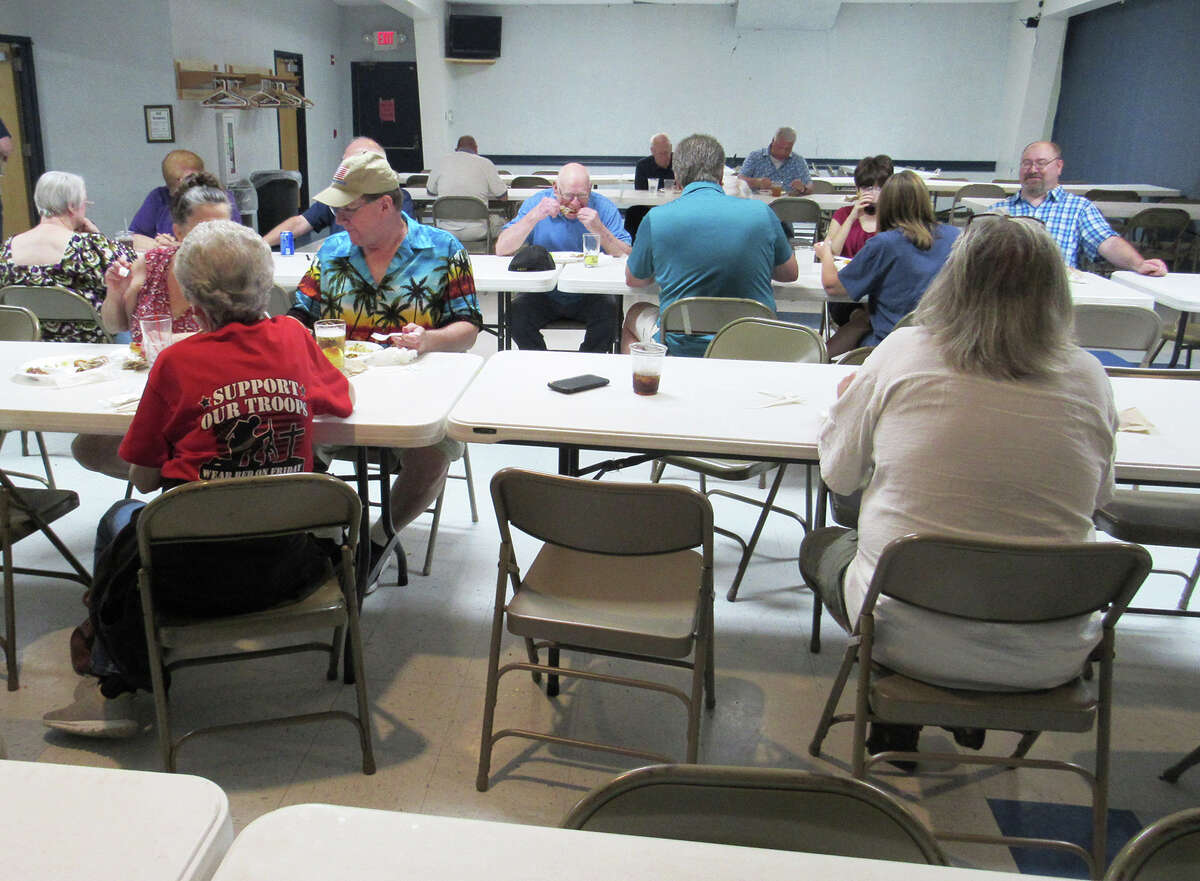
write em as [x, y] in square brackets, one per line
[704, 244]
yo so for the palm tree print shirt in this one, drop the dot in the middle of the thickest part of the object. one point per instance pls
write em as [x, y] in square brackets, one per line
[429, 283]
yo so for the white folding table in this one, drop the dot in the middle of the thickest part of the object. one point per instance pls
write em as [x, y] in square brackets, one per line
[103, 824]
[751, 410]
[1176, 290]
[400, 406]
[318, 842]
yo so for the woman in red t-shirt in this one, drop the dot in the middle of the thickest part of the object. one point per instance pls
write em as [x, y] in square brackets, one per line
[235, 400]
[854, 224]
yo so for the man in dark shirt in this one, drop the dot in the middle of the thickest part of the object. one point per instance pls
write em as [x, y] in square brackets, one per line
[319, 216]
[656, 167]
[650, 173]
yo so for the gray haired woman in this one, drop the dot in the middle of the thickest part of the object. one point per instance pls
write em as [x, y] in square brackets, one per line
[64, 250]
[982, 421]
[237, 400]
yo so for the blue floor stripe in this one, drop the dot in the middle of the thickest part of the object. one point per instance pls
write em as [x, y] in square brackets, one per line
[1037, 819]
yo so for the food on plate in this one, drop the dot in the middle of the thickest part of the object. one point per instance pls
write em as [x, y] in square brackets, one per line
[136, 363]
[37, 371]
[82, 364]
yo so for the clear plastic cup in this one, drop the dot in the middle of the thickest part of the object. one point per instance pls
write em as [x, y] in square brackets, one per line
[156, 335]
[647, 366]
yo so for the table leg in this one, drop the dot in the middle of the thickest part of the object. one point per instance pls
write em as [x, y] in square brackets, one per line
[1179, 332]
[503, 306]
[568, 460]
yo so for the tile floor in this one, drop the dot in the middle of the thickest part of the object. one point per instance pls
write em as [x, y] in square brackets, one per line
[425, 655]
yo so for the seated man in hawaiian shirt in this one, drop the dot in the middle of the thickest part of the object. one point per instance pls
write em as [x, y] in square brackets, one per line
[387, 273]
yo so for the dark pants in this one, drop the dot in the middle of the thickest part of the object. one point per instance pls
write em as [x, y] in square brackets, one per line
[531, 312]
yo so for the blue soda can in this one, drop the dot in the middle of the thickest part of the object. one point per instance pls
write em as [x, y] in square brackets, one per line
[287, 243]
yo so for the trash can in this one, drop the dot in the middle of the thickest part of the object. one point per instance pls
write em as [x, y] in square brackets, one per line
[278, 196]
[247, 200]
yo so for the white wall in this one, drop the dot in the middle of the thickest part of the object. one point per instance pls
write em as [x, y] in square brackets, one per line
[91, 90]
[915, 81]
[97, 63]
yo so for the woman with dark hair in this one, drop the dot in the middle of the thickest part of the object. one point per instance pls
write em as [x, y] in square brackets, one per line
[853, 225]
[894, 268]
[982, 421]
[149, 286]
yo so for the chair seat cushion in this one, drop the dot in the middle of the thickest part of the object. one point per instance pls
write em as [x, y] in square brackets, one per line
[1152, 517]
[724, 469]
[1069, 707]
[325, 606]
[50, 504]
[645, 605]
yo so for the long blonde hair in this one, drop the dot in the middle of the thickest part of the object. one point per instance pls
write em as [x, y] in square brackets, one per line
[904, 204]
[1001, 305]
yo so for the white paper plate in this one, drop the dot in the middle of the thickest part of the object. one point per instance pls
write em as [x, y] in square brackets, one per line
[361, 348]
[71, 368]
[562, 258]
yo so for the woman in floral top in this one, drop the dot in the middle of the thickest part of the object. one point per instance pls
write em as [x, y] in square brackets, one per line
[65, 249]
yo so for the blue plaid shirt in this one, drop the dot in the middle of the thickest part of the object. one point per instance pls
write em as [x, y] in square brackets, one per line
[1071, 220]
[759, 164]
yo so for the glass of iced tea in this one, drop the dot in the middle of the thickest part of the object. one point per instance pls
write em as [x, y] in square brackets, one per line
[331, 337]
[647, 366]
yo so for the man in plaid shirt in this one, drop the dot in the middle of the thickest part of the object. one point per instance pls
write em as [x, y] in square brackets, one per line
[1072, 220]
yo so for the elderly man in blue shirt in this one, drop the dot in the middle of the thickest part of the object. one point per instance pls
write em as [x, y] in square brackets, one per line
[777, 164]
[557, 219]
[1071, 220]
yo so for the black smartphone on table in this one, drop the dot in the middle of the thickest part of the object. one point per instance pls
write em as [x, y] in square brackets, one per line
[573, 384]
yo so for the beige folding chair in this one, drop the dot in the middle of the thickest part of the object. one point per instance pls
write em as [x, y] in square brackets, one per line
[797, 214]
[855, 356]
[436, 510]
[18, 324]
[1017, 583]
[959, 216]
[1166, 850]
[1114, 326]
[758, 807]
[704, 316]
[54, 304]
[280, 301]
[750, 339]
[618, 574]
[1157, 232]
[465, 209]
[22, 513]
[246, 508]
[530, 182]
[416, 181]
[1101, 195]
[821, 187]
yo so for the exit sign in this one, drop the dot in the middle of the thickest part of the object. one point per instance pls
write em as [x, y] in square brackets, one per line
[385, 39]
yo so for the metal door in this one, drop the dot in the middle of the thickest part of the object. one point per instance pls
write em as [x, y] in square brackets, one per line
[387, 108]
